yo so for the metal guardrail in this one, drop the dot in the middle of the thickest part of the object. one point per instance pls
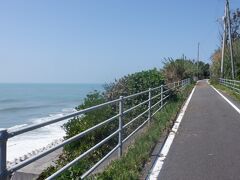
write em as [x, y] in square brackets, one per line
[232, 84]
[5, 134]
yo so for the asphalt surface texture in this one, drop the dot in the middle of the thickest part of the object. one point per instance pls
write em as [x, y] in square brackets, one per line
[207, 144]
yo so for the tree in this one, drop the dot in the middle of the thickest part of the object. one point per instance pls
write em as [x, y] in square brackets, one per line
[216, 56]
[175, 70]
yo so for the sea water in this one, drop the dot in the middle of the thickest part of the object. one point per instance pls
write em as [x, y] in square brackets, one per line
[26, 104]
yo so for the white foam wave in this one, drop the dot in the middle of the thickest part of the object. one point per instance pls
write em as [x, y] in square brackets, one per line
[24, 144]
[17, 127]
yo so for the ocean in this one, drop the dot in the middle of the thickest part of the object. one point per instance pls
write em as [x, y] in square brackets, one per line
[26, 104]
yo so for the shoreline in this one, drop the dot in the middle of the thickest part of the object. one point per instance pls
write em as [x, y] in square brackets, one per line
[34, 153]
[31, 143]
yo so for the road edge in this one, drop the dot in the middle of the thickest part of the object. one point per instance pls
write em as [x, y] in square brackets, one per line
[226, 99]
[155, 171]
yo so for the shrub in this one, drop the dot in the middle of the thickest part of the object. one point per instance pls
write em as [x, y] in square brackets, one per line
[127, 85]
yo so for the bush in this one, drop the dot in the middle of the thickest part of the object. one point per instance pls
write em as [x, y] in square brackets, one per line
[132, 163]
[80, 124]
[127, 85]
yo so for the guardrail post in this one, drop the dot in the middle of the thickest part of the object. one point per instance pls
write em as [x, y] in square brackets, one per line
[120, 124]
[149, 105]
[3, 154]
[161, 96]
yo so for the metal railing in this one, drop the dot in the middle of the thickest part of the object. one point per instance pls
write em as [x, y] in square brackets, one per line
[232, 84]
[160, 97]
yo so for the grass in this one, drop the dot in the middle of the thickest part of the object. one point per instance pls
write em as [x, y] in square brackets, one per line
[132, 162]
[228, 91]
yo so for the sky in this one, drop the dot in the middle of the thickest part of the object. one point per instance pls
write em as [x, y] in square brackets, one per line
[96, 41]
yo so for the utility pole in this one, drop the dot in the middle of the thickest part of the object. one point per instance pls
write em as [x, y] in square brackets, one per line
[223, 41]
[227, 30]
[198, 61]
[183, 57]
[230, 39]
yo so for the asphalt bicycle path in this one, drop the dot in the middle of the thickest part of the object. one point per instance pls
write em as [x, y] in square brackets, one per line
[207, 143]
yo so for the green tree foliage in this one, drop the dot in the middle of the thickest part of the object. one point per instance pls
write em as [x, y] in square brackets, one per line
[175, 70]
[236, 52]
[132, 83]
[203, 69]
[235, 21]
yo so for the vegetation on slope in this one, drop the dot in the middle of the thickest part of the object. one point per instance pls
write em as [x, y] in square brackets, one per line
[228, 91]
[126, 85]
[129, 84]
[131, 164]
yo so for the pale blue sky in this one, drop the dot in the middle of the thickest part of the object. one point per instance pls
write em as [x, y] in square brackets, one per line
[96, 41]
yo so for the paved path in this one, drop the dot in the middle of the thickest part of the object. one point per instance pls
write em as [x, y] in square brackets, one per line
[207, 144]
[33, 170]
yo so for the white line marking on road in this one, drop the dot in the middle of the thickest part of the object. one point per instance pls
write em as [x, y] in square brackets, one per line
[155, 171]
[226, 99]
